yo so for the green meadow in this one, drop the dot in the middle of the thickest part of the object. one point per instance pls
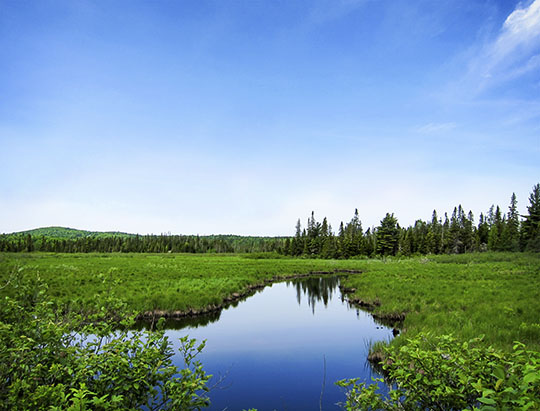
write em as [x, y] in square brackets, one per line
[491, 294]
[155, 281]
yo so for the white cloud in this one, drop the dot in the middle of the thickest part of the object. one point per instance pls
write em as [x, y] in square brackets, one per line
[521, 26]
[513, 52]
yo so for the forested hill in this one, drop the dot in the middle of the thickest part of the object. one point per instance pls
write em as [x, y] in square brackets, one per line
[62, 239]
[65, 233]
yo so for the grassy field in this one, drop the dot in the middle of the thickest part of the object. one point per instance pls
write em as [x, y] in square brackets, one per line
[155, 281]
[497, 295]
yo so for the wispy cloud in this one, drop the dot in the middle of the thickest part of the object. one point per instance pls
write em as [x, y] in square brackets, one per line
[329, 10]
[435, 128]
[515, 50]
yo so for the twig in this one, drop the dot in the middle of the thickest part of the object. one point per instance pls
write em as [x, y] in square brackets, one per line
[11, 277]
[323, 383]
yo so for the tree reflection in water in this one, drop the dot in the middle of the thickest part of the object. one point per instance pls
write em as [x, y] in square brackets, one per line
[315, 289]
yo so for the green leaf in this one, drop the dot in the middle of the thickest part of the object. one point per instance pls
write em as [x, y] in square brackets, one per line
[499, 373]
[498, 385]
[531, 377]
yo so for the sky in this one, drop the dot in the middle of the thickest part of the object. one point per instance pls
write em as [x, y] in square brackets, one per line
[239, 117]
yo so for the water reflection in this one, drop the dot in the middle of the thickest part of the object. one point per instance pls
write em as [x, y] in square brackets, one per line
[200, 320]
[279, 346]
[315, 289]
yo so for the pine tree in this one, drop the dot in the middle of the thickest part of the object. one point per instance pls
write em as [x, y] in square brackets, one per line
[388, 236]
[467, 236]
[454, 241]
[531, 225]
[29, 243]
[342, 246]
[370, 242]
[405, 246]
[482, 234]
[446, 239]
[296, 244]
[495, 230]
[354, 234]
[435, 239]
[510, 233]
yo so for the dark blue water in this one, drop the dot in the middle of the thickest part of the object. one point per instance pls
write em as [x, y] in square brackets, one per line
[278, 348]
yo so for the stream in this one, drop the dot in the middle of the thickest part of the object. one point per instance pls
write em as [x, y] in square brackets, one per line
[284, 347]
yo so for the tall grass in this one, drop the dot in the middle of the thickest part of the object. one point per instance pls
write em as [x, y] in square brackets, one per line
[154, 281]
[491, 294]
[495, 294]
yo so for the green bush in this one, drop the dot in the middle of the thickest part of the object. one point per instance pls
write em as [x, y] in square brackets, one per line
[53, 360]
[431, 372]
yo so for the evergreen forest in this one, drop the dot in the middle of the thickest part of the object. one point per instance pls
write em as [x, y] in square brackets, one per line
[496, 230]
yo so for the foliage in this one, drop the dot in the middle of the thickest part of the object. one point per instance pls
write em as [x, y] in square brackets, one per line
[69, 233]
[68, 240]
[53, 360]
[531, 225]
[388, 236]
[456, 234]
[431, 372]
[470, 294]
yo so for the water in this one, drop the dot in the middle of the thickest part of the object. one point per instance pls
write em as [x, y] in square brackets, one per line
[280, 348]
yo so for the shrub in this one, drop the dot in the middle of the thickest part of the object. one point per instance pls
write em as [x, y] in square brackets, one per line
[431, 372]
[53, 360]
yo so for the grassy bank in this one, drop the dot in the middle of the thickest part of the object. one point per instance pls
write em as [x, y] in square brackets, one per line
[155, 281]
[497, 295]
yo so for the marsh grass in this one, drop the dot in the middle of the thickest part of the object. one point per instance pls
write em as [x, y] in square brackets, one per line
[491, 294]
[154, 281]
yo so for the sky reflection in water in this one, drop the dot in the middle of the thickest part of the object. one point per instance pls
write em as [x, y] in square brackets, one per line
[273, 346]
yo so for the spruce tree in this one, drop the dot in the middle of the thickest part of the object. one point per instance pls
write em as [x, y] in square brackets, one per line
[496, 230]
[467, 232]
[531, 225]
[296, 244]
[446, 239]
[388, 236]
[482, 234]
[510, 234]
[435, 239]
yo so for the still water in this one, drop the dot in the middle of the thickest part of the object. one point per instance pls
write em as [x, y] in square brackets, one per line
[280, 348]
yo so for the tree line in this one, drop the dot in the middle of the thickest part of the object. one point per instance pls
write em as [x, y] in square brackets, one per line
[458, 233]
[497, 230]
[163, 243]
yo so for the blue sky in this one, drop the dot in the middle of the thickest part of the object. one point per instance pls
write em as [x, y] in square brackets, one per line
[242, 116]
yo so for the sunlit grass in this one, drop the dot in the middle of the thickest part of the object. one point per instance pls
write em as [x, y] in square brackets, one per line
[495, 294]
[155, 281]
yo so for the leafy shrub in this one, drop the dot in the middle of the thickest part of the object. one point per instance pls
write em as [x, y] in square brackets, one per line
[431, 372]
[53, 360]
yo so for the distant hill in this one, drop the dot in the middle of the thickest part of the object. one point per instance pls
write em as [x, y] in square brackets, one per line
[65, 233]
[70, 240]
